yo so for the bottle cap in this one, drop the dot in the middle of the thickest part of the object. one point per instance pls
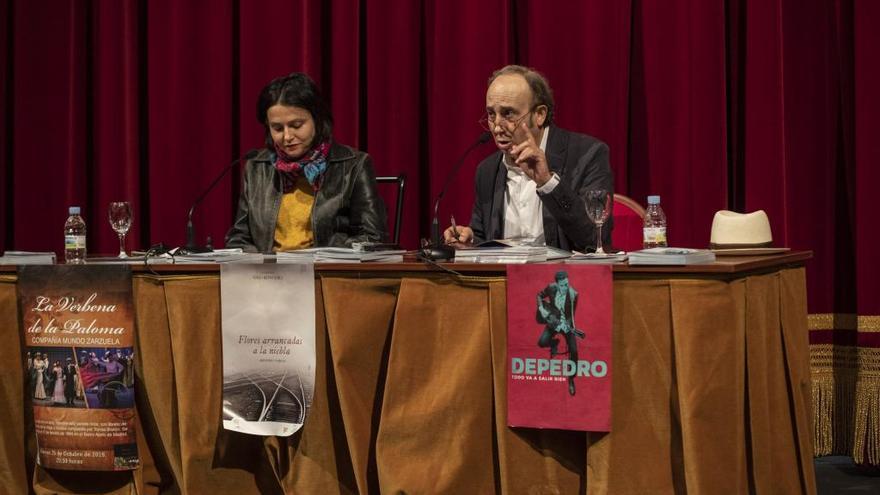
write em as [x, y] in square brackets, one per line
[73, 210]
[653, 200]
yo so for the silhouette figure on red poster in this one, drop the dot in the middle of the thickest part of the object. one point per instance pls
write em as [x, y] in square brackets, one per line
[556, 307]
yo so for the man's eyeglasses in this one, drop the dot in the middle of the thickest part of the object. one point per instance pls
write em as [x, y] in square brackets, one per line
[506, 122]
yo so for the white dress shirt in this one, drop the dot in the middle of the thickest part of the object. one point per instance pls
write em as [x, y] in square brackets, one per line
[523, 211]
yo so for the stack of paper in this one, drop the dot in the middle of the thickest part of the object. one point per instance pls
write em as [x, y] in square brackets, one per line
[27, 258]
[600, 259]
[219, 256]
[131, 260]
[339, 255]
[300, 256]
[512, 255]
[671, 256]
[555, 253]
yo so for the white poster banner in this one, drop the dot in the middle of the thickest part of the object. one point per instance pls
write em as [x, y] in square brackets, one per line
[268, 322]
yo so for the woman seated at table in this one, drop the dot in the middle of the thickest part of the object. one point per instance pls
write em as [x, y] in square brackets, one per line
[304, 189]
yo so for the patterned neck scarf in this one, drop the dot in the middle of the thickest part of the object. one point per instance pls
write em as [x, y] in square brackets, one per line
[312, 166]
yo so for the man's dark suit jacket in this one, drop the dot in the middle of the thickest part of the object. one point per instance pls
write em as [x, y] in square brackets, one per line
[581, 162]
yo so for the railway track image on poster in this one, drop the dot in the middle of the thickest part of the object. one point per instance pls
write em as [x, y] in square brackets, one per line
[268, 322]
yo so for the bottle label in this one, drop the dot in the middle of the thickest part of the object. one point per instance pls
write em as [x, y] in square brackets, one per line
[654, 235]
[74, 242]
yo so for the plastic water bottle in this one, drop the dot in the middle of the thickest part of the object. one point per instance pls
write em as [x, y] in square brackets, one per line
[74, 238]
[655, 224]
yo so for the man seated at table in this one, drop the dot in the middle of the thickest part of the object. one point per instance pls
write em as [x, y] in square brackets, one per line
[531, 188]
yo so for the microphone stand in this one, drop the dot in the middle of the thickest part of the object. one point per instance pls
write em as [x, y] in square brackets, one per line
[191, 246]
[438, 250]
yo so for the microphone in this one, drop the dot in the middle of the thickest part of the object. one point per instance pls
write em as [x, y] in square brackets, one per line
[191, 246]
[438, 250]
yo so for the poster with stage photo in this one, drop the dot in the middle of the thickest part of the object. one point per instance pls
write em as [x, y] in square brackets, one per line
[268, 322]
[78, 324]
[559, 346]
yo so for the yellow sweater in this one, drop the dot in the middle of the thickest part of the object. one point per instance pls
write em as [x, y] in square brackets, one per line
[293, 229]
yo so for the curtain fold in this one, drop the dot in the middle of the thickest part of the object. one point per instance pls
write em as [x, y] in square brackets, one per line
[189, 99]
[710, 383]
[446, 396]
[359, 347]
[14, 466]
[113, 93]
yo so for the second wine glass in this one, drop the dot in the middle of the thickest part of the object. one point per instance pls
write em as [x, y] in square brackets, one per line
[598, 205]
[120, 220]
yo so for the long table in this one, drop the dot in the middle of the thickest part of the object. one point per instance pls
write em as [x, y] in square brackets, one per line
[711, 389]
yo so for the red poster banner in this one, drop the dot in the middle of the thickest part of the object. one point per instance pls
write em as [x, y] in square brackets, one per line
[559, 346]
[78, 324]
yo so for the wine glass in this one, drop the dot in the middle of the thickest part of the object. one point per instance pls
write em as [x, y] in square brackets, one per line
[598, 204]
[120, 220]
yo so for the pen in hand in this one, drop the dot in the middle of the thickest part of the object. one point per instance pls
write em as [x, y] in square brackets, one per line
[455, 233]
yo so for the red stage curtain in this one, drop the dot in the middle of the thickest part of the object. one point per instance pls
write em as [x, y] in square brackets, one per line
[741, 104]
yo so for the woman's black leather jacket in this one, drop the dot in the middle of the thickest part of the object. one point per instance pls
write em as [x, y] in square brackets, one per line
[347, 207]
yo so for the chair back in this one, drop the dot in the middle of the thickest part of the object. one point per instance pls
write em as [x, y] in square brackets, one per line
[400, 180]
[629, 217]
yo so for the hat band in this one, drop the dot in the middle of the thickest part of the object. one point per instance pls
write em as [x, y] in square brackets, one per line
[713, 245]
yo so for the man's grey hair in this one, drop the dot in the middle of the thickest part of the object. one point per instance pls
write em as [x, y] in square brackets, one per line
[541, 92]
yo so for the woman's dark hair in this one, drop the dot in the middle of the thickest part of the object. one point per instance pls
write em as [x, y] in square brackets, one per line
[296, 90]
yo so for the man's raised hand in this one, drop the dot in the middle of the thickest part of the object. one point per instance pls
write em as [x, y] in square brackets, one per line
[529, 157]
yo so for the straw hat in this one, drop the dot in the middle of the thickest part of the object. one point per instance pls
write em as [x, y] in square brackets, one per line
[732, 230]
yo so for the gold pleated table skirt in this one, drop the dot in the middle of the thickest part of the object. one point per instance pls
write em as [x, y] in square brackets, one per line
[711, 394]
